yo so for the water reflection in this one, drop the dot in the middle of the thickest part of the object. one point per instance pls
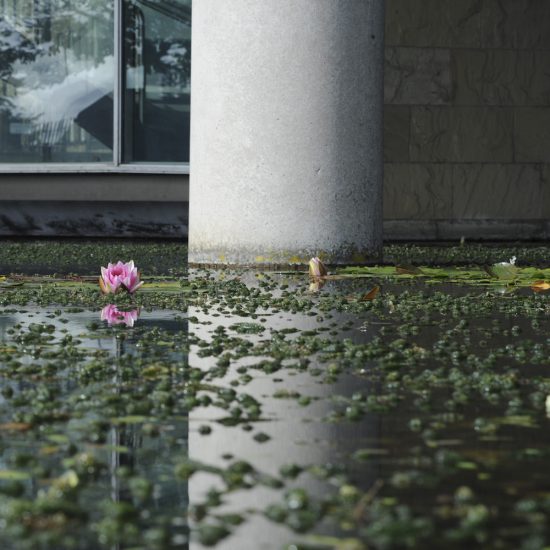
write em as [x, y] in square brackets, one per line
[119, 456]
[157, 58]
[115, 316]
[438, 415]
[298, 435]
[316, 285]
[57, 74]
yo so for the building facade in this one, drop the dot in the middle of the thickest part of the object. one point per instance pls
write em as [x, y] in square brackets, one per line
[95, 110]
[94, 116]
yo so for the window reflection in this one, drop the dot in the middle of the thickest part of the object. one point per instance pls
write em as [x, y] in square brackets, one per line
[56, 80]
[157, 53]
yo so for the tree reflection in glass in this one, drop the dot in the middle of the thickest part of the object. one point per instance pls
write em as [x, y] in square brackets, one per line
[157, 55]
[57, 74]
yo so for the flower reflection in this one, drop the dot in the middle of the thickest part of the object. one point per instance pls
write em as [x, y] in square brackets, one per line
[316, 285]
[114, 316]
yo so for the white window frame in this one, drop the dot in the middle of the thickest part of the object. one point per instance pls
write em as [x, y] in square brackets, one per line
[116, 166]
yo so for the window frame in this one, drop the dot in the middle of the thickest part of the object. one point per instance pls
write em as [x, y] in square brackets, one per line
[117, 166]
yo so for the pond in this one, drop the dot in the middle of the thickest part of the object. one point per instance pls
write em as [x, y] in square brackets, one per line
[384, 407]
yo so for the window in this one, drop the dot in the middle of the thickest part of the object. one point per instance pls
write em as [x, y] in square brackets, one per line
[99, 83]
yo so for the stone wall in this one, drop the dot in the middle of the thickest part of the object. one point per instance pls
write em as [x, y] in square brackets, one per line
[467, 119]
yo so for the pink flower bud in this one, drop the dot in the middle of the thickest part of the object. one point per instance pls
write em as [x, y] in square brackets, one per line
[317, 268]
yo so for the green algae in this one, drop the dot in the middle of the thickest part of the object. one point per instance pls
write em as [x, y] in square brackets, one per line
[83, 256]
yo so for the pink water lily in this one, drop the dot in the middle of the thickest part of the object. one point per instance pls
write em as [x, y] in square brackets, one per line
[119, 276]
[114, 316]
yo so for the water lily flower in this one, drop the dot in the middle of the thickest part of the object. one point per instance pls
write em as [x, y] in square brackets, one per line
[317, 268]
[114, 316]
[119, 276]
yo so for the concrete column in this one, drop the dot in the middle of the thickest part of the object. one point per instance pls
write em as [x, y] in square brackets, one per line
[286, 131]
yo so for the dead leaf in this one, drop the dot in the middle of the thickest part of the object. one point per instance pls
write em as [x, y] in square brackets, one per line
[102, 286]
[363, 504]
[419, 350]
[49, 450]
[408, 269]
[540, 286]
[370, 295]
[16, 426]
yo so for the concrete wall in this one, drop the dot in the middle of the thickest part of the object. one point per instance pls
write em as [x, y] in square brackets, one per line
[467, 119]
[94, 205]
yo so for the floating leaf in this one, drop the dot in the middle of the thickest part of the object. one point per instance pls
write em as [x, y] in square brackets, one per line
[247, 328]
[332, 543]
[261, 437]
[523, 421]
[506, 271]
[371, 295]
[112, 448]
[16, 426]
[58, 438]
[13, 475]
[10, 284]
[49, 450]
[130, 419]
[466, 465]
[366, 454]
[69, 480]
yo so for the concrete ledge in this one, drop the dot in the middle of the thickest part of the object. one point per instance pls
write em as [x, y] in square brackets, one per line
[94, 187]
[93, 219]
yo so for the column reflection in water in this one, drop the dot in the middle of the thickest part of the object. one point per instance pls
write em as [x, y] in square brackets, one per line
[57, 76]
[299, 435]
[157, 55]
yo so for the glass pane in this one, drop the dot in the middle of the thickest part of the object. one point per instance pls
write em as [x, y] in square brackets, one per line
[157, 54]
[56, 80]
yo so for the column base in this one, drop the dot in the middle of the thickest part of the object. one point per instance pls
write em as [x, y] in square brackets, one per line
[281, 259]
